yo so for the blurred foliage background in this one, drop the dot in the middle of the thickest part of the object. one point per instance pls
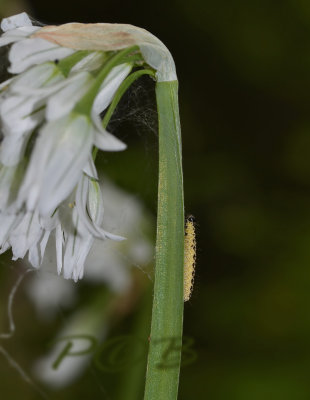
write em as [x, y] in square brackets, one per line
[244, 72]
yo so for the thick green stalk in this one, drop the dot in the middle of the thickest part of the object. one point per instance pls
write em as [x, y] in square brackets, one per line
[163, 369]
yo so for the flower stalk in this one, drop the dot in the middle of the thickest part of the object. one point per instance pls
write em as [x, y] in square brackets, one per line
[164, 357]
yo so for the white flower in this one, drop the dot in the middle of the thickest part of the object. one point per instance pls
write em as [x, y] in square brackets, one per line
[80, 222]
[47, 176]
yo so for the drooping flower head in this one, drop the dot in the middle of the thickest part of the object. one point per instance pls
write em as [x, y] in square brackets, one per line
[63, 78]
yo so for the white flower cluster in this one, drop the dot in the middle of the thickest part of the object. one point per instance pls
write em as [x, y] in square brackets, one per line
[48, 181]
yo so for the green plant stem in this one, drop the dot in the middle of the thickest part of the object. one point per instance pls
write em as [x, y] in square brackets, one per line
[164, 357]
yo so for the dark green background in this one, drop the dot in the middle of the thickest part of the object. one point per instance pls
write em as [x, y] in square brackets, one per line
[244, 72]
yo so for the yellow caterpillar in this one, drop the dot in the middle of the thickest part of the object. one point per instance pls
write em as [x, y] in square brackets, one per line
[189, 256]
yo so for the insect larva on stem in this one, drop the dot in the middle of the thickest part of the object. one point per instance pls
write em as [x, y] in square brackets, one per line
[189, 256]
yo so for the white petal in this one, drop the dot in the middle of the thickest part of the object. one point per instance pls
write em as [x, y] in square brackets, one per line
[6, 181]
[49, 223]
[43, 243]
[90, 169]
[77, 242]
[36, 77]
[94, 209]
[18, 113]
[19, 116]
[4, 85]
[16, 35]
[7, 223]
[44, 147]
[56, 83]
[13, 148]
[4, 247]
[6, 178]
[110, 86]
[34, 256]
[77, 248]
[68, 262]
[94, 202]
[25, 235]
[51, 86]
[15, 21]
[5, 40]
[29, 52]
[59, 249]
[105, 140]
[36, 252]
[10, 178]
[64, 169]
[89, 63]
[62, 102]
[61, 151]
[81, 204]
[83, 252]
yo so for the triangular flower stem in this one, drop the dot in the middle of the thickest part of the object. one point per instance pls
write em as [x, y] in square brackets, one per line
[164, 357]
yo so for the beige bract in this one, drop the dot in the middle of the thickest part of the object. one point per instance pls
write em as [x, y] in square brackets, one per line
[110, 37]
